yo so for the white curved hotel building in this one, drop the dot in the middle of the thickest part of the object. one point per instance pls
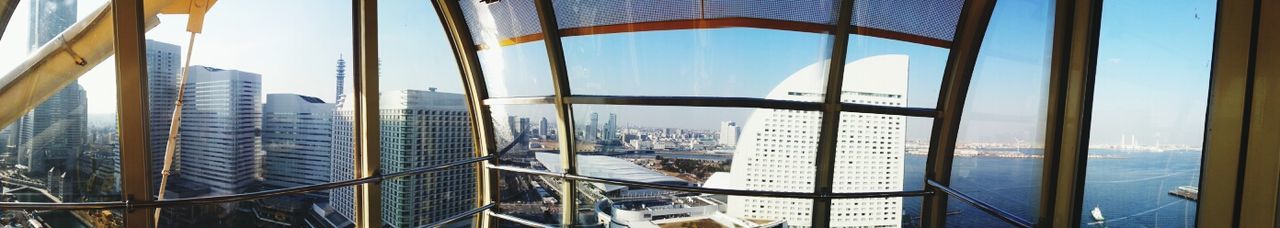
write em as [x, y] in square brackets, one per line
[777, 148]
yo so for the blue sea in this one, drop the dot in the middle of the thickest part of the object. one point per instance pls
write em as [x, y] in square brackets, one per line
[1131, 191]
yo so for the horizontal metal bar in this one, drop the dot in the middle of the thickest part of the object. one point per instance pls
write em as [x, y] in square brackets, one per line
[521, 100]
[889, 110]
[1001, 214]
[517, 220]
[458, 216]
[728, 102]
[725, 102]
[801, 195]
[250, 196]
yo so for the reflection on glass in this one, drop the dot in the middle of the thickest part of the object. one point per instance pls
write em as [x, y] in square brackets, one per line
[511, 52]
[262, 109]
[998, 157]
[962, 214]
[66, 148]
[1151, 94]
[425, 121]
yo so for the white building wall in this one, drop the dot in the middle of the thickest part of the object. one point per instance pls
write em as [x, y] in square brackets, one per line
[778, 148]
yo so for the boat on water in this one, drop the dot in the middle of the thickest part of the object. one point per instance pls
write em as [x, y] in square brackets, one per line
[1097, 214]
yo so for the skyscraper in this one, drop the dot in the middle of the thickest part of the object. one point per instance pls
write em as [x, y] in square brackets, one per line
[48, 18]
[295, 137]
[221, 118]
[162, 92]
[420, 129]
[729, 133]
[543, 128]
[524, 125]
[611, 128]
[871, 145]
[342, 76]
[53, 134]
[592, 133]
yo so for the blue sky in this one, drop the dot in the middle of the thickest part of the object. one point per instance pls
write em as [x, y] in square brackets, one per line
[1152, 70]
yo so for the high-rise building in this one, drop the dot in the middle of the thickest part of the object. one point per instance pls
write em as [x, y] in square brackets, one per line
[524, 125]
[592, 131]
[729, 133]
[295, 137]
[221, 118]
[420, 129]
[162, 91]
[48, 18]
[513, 125]
[544, 129]
[53, 134]
[611, 128]
[874, 141]
[342, 76]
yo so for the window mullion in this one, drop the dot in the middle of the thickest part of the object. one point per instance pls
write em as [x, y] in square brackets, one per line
[827, 137]
[131, 91]
[970, 30]
[564, 112]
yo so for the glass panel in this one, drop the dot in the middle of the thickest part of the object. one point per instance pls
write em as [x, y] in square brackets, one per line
[277, 211]
[881, 153]
[962, 214]
[998, 159]
[530, 197]
[425, 121]
[512, 54]
[686, 209]
[886, 72]
[876, 212]
[66, 148]
[770, 150]
[1148, 114]
[263, 107]
[658, 48]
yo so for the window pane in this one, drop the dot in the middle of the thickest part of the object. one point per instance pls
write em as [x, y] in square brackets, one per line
[1149, 106]
[66, 148]
[881, 153]
[907, 74]
[876, 212]
[724, 148]
[998, 159]
[530, 197]
[425, 121]
[512, 54]
[962, 214]
[656, 48]
[262, 107]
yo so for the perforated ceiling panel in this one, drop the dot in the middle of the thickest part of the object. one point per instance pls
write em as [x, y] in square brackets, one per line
[506, 22]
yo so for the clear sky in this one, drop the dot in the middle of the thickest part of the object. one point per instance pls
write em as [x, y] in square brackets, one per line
[1152, 72]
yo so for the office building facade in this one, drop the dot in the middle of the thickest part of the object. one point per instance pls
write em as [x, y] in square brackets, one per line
[221, 120]
[295, 140]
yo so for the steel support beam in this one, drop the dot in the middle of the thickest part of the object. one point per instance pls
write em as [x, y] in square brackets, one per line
[564, 111]
[828, 137]
[464, 49]
[131, 103]
[1074, 58]
[368, 150]
[1260, 163]
[1227, 120]
[971, 28]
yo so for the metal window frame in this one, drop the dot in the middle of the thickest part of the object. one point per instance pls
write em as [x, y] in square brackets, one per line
[825, 159]
[1070, 106]
[465, 55]
[131, 77]
[564, 110]
[367, 126]
[970, 31]
[1235, 148]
